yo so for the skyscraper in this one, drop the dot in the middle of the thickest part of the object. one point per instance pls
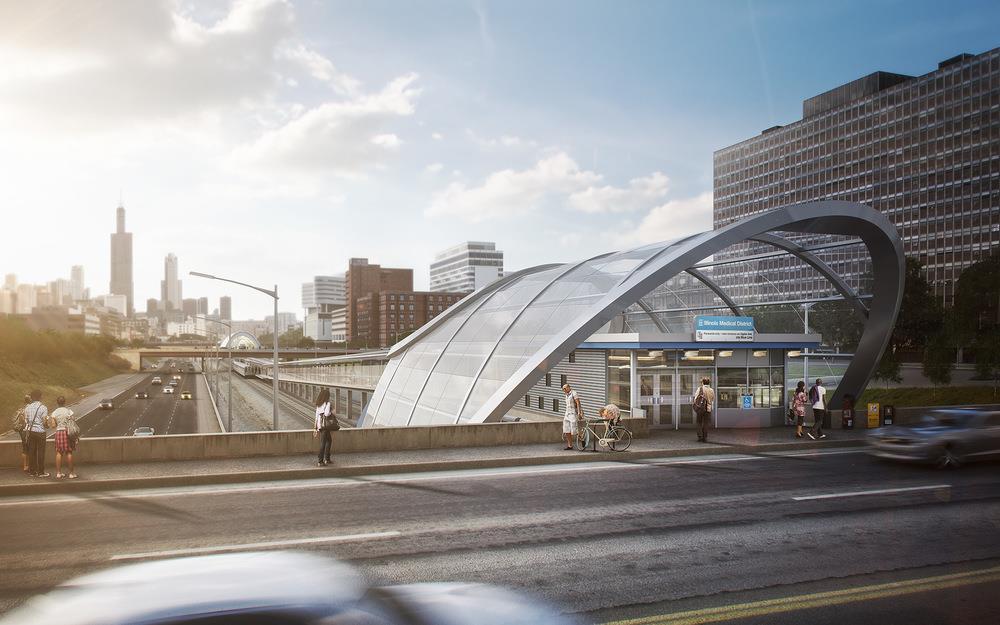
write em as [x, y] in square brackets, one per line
[202, 305]
[467, 267]
[321, 298]
[226, 308]
[170, 286]
[121, 261]
[76, 282]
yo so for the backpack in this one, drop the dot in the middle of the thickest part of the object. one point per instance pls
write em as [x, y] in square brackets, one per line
[813, 395]
[19, 421]
[700, 403]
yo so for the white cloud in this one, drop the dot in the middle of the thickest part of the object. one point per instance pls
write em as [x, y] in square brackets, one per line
[437, 136]
[503, 141]
[676, 218]
[434, 168]
[508, 192]
[640, 193]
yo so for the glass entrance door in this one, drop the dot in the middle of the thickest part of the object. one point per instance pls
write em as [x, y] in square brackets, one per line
[656, 397]
[688, 381]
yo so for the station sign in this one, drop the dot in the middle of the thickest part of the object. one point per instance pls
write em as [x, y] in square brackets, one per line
[723, 329]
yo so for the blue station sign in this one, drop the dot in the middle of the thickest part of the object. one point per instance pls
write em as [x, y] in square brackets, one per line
[723, 329]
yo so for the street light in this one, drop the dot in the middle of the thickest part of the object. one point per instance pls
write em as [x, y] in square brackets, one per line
[274, 363]
[229, 374]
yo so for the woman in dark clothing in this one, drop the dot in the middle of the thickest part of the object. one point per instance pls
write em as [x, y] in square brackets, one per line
[323, 410]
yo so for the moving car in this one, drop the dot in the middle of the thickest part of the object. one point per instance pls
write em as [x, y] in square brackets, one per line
[106, 404]
[168, 390]
[185, 394]
[944, 438]
[173, 383]
[142, 395]
[176, 377]
[157, 380]
[143, 431]
[275, 587]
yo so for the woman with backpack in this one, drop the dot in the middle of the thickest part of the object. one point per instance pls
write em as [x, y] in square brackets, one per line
[67, 436]
[799, 400]
[326, 422]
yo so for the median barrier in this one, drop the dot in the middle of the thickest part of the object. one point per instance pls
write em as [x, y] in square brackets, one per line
[129, 449]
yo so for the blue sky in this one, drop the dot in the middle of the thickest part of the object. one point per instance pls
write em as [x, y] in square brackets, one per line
[270, 141]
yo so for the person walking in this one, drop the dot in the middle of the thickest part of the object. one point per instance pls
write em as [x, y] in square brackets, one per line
[817, 395]
[326, 422]
[702, 403]
[35, 416]
[799, 399]
[67, 436]
[20, 426]
[572, 415]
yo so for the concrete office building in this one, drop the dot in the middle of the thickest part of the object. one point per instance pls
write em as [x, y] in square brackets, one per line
[923, 150]
[286, 322]
[226, 308]
[76, 283]
[189, 307]
[321, 297]
[171, 287]
[467, 267]
[121, 261]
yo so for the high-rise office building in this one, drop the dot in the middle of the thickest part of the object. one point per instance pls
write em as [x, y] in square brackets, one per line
[10, 282]
[152, 307]
[189, 307]
[170, 287]
[121, 261]
[76, 282]
[923, 150]
[202, 305]
[226, 308]
[466, 267]
[286, 321]
[321, 298]
[363, 279]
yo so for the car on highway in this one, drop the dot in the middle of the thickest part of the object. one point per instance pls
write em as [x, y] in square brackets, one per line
[143, 431]
[168, 390]
[106, 404]
[274, 587]
[156, 380]
[142, 395]
[944, 438]
[176, 377]
[185, 394]
[173, 383]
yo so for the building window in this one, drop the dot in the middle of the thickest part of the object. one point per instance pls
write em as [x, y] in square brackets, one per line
[541, 403]
[555, 405]
[527, 401]
[562, 380]
[548, 379]
[572, 356]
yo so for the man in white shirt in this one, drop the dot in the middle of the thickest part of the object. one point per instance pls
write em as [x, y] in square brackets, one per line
[817, 395]
[573, 412]
[35, 415]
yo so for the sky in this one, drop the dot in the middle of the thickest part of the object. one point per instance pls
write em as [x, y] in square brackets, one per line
[272, 140]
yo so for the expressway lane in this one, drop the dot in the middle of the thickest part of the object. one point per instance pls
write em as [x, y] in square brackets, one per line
[685, 533]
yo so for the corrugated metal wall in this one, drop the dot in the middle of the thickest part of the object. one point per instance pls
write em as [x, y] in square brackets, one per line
[588, 376]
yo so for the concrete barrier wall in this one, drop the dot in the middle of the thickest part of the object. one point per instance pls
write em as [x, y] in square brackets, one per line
[285, 443]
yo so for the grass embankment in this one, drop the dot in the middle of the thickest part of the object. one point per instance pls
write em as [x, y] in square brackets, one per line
[55, 363]
[930, 396]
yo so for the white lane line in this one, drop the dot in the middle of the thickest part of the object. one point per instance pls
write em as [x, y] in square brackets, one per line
[881, 491]
[358, 481]
[262, 545]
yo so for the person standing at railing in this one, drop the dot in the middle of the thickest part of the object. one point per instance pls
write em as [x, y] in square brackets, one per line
[324, 413]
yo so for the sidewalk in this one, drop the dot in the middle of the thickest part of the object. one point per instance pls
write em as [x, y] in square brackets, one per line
[189, 472]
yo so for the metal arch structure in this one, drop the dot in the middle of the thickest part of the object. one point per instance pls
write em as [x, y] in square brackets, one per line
[238, 339]
[578, 316]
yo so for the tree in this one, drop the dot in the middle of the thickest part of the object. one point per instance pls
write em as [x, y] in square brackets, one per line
[775, 319]
[977, 315]
[939, 357]
[837, 322]
[291, 339]
[920, 313]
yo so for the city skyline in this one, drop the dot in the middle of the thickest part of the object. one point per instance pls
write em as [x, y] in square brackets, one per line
[314, 142]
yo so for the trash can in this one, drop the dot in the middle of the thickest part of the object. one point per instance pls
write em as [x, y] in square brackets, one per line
[847, 413]
[888, 414]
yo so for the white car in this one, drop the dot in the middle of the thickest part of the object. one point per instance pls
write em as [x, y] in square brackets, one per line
[168, 390]
[106, 404]
[143, 431]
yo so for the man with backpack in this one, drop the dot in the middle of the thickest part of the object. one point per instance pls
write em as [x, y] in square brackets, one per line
[817, 397]
[702, 403]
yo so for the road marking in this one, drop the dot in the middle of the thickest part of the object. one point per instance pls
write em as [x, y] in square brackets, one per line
[261, 545]
[818, 600]
[881, 491]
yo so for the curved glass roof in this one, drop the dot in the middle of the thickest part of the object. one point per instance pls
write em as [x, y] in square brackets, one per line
[240, 340]
[474, 362]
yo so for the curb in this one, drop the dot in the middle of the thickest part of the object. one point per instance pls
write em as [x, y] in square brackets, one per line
[79, 486]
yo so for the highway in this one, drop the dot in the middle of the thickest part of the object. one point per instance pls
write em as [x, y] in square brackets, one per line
[167, 414]
[828, 536]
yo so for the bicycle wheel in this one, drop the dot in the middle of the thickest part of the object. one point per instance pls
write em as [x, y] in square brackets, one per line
[620, 439]
[583, 438]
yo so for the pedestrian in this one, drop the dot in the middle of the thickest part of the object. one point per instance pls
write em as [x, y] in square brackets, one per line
[326, 422]
[817, 395]
[67, 436]
[35, 416]
[702, 403]
[571, 416]
[19, 423]
[799, 400]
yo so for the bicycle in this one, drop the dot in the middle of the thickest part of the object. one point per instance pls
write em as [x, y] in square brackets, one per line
[618, 437]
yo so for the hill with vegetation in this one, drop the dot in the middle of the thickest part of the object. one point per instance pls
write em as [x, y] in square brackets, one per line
[56, 363]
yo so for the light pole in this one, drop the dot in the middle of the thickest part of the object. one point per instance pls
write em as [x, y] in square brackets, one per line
[274, 363]
[229, 373]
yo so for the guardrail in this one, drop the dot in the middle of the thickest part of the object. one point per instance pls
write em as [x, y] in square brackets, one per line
[126, 449]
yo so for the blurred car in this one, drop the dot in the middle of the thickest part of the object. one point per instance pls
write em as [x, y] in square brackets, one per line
[185, 394]
[173, 383]
[944, 438]
[143, 431]
[176, 377]
[168, 390]
[157, 380]
[106, 404]
[142, 395]
[276, 587]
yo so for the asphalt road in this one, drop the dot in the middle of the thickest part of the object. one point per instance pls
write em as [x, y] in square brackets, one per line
[810, 536]
[167, 414]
